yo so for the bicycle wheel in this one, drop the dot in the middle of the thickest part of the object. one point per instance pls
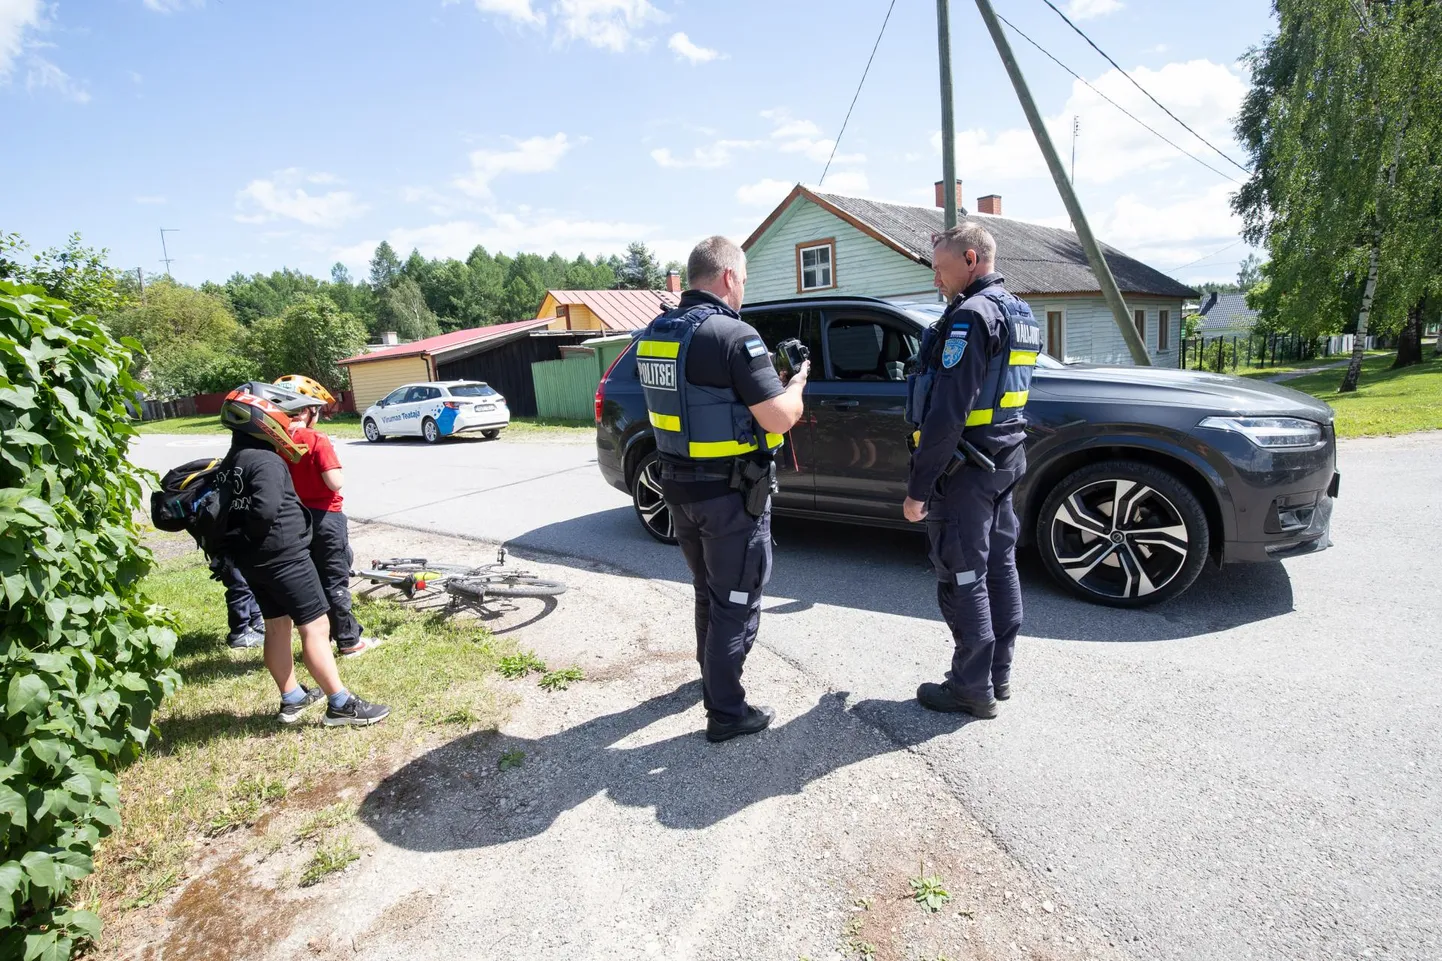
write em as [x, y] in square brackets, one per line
[504, 585]
[419, 565]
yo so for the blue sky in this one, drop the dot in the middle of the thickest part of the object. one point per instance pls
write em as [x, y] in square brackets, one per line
[301, 133]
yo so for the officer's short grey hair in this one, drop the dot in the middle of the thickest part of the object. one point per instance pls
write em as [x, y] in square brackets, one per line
[710, 258]
[967, 235]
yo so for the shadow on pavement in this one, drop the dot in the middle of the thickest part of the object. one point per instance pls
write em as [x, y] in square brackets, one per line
[443, 801]
[886, 571]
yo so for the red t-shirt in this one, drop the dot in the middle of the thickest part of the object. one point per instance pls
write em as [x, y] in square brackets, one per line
[309, 485]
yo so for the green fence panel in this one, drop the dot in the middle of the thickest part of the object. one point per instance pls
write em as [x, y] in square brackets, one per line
[566, 389]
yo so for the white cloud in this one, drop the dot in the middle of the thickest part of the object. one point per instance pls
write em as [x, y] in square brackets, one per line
[608, 24]
[17, 18]
[518, 10]
[1111, 146]
[1172, 232]
[41, 74]
[534, 155]
[763, 193]
[136, 77]
[172, 6]
[846, 182]
[686, 50]
[284, 198]
[150, 200]
[718, 154]
[804, 137]
[1087, 9]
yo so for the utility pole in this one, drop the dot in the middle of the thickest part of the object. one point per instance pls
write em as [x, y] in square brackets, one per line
[1095, 259]
[140, 273]
[1075, 129]
[167, 258]
[948, 125]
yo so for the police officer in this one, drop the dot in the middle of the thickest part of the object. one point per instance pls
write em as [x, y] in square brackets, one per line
[969, 400]
[719, 411]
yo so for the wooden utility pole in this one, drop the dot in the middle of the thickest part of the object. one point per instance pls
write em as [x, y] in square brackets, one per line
[948, 124]
[1098, 263]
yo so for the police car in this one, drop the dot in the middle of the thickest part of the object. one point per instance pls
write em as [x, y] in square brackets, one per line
[437, 409]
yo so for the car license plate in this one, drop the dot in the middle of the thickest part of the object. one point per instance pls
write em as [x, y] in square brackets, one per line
[485, 407]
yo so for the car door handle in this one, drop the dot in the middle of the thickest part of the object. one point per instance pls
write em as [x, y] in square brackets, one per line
[841, 404]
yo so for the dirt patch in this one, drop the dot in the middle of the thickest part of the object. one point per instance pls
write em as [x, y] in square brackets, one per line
[220, 909]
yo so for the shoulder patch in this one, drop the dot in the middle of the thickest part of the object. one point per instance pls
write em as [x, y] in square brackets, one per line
[754, 346]
[953, 351]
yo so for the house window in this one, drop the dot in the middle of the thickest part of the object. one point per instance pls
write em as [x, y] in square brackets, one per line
[1056, 334]
[816, 265]
[1164, 329]
[1141, 318]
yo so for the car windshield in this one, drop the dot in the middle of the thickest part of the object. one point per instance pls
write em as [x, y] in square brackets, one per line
[929, 314]
[471, 390]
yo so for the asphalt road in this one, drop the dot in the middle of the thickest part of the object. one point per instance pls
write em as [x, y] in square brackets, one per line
[1250, 771]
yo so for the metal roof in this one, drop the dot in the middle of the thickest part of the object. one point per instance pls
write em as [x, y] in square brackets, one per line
[455, 340]
[620, 309]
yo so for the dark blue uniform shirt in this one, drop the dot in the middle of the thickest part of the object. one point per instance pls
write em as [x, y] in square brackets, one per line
[955, 392]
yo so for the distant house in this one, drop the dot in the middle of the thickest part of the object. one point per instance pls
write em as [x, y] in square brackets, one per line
[608, 310]
[820, 244]
[501, 355]
[1226, 315]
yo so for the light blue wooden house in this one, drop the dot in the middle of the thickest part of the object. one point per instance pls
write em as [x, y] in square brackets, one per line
[822, 244]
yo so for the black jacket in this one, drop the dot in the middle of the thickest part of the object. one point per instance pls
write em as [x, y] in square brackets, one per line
[265, 520]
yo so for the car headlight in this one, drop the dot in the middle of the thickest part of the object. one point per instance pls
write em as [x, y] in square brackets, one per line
[1270, 433]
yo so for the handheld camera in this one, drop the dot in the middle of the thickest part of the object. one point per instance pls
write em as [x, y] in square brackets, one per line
[790, 354]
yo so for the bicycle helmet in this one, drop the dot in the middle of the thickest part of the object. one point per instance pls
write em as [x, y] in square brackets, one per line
[302, 384]
[264, 411]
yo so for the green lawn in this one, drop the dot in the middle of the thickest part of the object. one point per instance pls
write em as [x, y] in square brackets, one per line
[222, 761]
[349, 426]
[1386, 401]
[1291, 365]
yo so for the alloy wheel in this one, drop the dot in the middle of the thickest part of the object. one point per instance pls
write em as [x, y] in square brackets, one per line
[651, 503]
[1119, 538]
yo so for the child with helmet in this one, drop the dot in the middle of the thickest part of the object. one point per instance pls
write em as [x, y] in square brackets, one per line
[267, 532]
[318, 479]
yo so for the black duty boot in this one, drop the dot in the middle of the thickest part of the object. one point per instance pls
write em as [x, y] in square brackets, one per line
[757, 719]
[1002, 688]
[940, 697]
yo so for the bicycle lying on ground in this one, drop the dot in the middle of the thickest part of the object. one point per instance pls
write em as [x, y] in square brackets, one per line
[466, 584]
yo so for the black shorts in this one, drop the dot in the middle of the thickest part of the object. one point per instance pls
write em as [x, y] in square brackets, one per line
[288, 587]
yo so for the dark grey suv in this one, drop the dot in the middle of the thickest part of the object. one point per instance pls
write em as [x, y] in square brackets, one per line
[1136, 476]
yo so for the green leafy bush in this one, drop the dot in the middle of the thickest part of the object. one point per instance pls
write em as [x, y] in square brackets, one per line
[84, 658]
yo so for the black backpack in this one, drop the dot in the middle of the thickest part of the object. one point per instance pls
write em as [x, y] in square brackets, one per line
[189, 501]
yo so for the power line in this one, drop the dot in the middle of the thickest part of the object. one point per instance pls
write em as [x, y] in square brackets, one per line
[1154, 100]
[1109, 100]
[837, 144]
[1209, 256]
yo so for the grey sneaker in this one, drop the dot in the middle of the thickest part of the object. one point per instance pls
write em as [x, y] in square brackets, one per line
[356, 712]
[290, 713]
[360, 647]
[248, 639]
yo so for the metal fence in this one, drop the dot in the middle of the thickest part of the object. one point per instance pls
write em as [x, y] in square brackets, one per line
[566, 389]
[1228, 352]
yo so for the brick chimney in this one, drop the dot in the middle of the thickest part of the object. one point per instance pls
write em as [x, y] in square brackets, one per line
[673, 281]
[941, 196]
[990, 204]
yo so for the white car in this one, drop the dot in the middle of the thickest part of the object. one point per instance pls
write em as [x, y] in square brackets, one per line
[436, 409]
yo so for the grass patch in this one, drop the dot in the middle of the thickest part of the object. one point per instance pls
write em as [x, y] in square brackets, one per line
[330, 856]
[222, 761]
[325, 819]
[511, 759]
[928, 891]
[1386, 401]
[562, 679]
[1287, 366]
[520, 664]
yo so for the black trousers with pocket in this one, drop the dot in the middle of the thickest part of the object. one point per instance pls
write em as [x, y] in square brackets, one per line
[330, 550]
[972, 529]
[729, 554]
[242, 611]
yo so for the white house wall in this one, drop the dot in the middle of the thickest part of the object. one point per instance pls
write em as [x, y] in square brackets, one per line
[1091, 332]
[864, 266]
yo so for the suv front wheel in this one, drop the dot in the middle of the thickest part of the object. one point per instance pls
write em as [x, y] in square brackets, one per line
[646, 498]
[1123, 533]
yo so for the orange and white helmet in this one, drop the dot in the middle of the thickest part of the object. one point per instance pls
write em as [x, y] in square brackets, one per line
[302, 384]
[264, 411]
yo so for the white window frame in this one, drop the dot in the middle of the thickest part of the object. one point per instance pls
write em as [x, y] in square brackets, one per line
[829, 245]
[1046, 314]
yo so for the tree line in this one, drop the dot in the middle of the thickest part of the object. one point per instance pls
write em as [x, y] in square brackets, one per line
[1343, 123]
[211, 337]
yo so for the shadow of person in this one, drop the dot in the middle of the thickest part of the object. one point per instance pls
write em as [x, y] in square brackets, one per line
[454, 798]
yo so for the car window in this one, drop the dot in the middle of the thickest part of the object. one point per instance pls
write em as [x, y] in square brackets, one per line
[432, 393]
[865, 348]
[774, 326]
[396, 396]
[415, 395]
[472, 390]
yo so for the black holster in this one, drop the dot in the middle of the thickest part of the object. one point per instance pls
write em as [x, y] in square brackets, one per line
[756, 483]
